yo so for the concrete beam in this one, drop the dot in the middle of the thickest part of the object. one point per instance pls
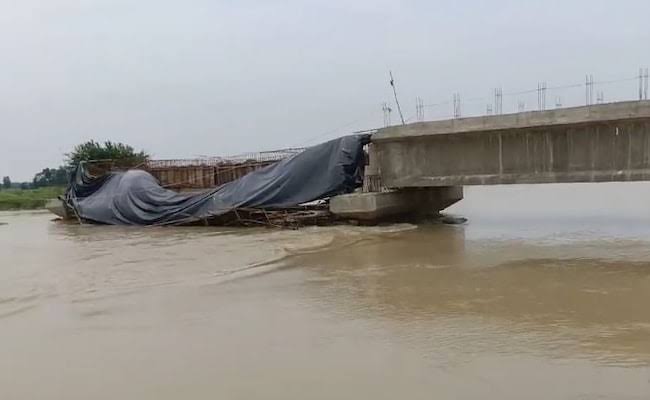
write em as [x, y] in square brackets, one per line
[601, 143]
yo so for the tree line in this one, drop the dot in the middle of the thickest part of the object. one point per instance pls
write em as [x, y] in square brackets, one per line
[88, 151]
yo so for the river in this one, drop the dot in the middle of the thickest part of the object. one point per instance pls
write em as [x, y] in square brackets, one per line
[544, 293]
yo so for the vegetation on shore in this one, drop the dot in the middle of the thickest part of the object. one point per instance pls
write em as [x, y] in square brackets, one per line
[28, 199]
[113, 151]
[51, 182]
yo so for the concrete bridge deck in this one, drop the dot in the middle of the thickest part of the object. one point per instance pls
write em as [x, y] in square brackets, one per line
[598, 143]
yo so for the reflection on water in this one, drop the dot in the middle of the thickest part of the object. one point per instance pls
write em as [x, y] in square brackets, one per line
[544, 294]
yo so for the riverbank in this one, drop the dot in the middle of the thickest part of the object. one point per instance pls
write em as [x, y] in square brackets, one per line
[28, 199]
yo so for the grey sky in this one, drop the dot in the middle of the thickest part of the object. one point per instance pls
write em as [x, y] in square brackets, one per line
[187, 78]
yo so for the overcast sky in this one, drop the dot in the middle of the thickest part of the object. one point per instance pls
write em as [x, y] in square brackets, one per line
[208, 77]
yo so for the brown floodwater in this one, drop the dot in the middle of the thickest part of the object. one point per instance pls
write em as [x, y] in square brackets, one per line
[545, 293]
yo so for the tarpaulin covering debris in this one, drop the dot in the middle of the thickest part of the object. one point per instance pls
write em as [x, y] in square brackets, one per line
[135, 197]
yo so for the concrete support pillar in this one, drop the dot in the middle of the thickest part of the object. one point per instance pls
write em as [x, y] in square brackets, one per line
[377, 206]
[371, 176]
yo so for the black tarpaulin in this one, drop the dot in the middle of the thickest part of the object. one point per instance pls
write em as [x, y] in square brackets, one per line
[135, 197]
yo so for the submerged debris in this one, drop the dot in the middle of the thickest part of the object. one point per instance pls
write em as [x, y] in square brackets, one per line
[453, 220]
[288, 218]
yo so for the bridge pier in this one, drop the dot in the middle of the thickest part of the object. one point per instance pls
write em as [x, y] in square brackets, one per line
[376, 203]
[403, 203]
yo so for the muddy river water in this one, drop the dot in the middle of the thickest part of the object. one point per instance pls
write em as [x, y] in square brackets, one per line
[544, 294]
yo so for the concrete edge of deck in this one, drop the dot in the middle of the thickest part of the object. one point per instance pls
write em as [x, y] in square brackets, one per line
[565, 116]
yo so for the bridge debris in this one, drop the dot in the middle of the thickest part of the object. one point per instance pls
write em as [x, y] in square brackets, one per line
[274, 195]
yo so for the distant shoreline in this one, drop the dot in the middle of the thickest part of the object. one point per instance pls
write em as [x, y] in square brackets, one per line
[28, 199]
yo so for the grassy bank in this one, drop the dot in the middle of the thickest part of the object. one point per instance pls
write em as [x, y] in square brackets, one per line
[29, 199]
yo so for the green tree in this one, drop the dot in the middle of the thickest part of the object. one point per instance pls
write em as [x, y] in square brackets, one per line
[6, 182]
[107, 151]
[51, 177]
